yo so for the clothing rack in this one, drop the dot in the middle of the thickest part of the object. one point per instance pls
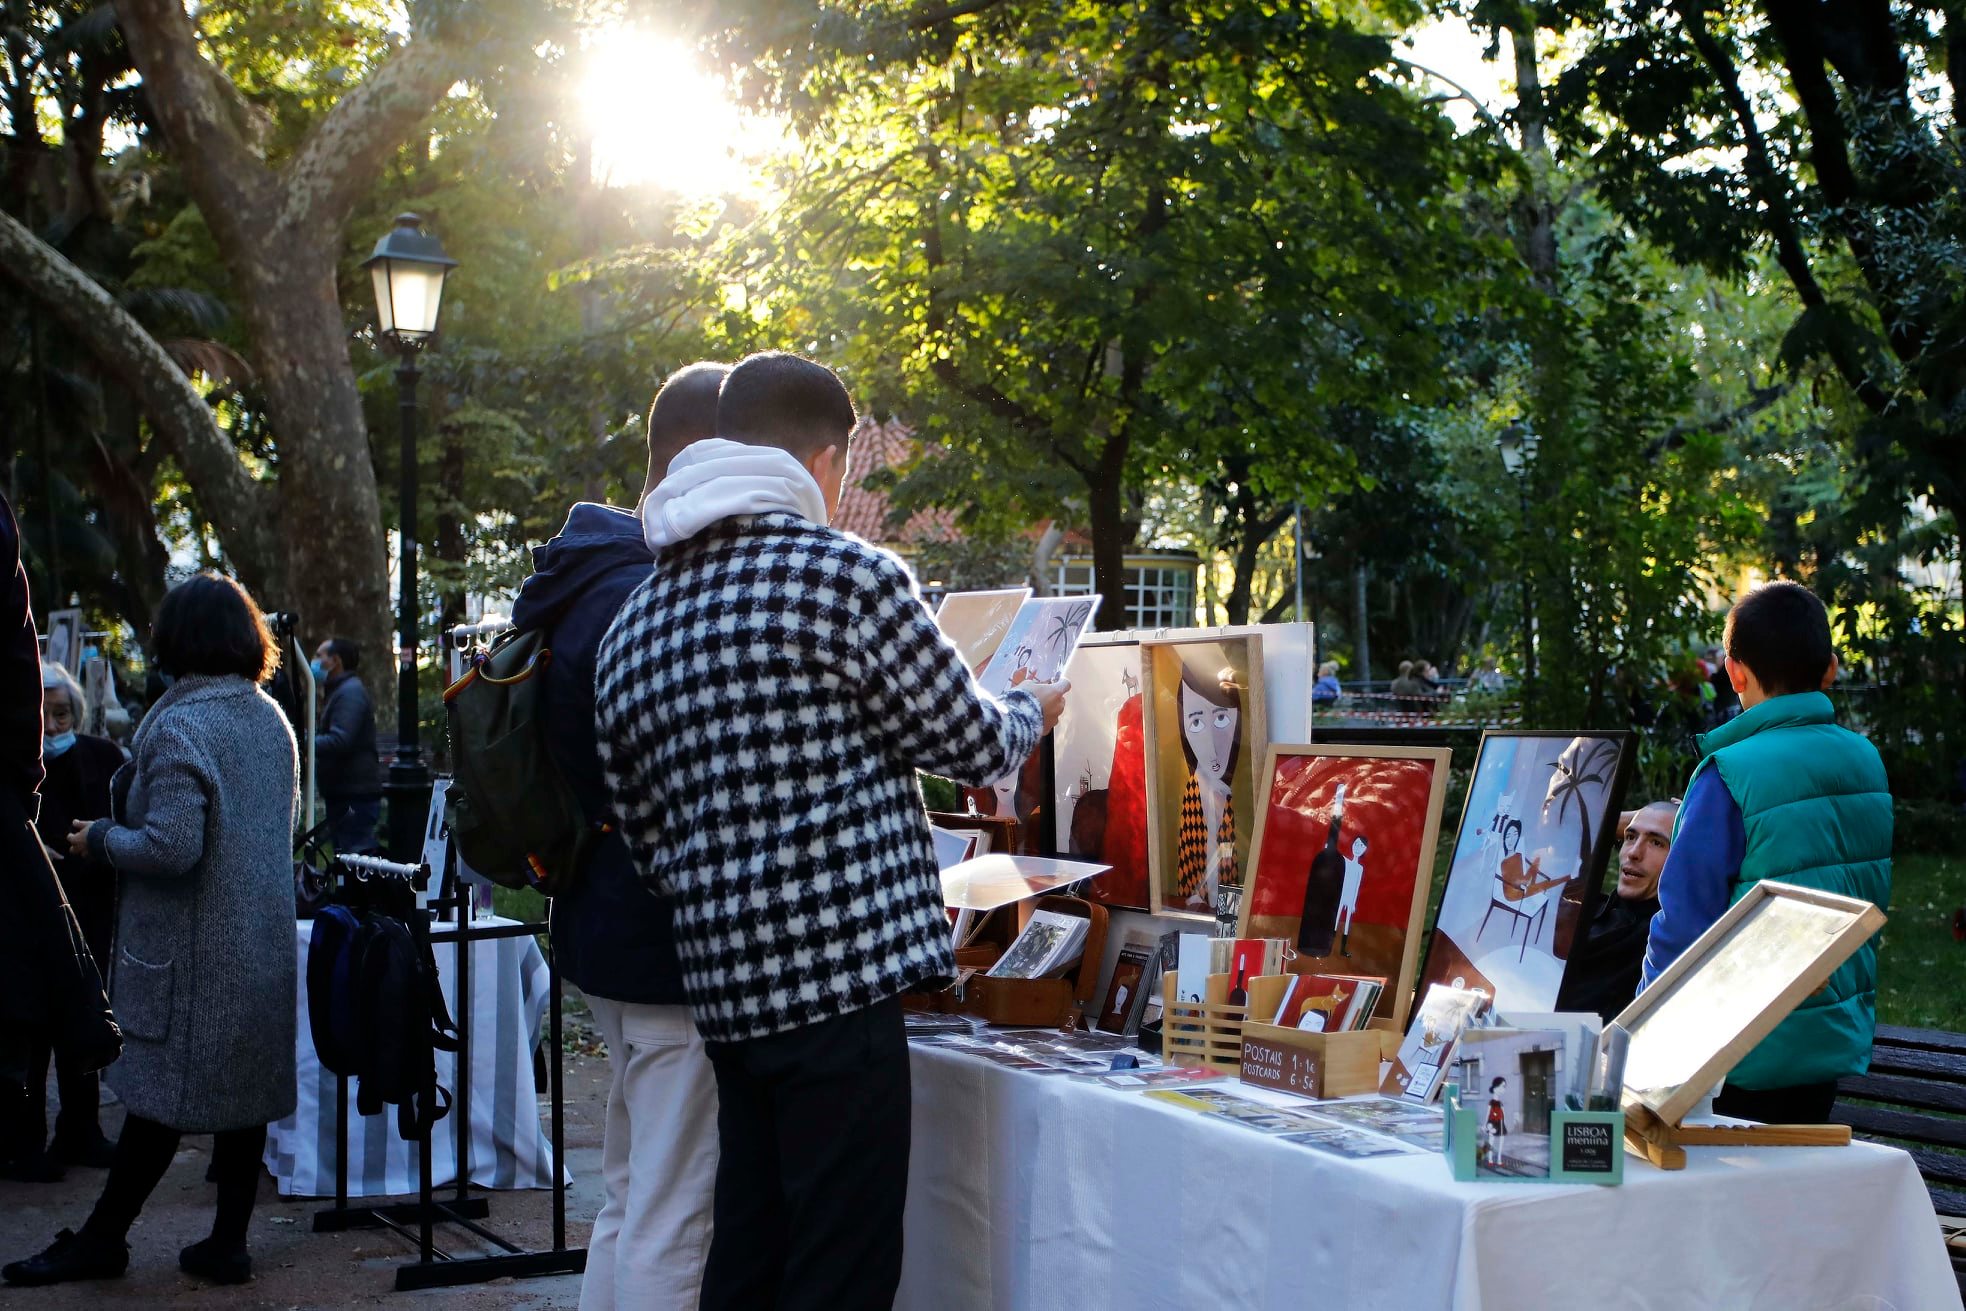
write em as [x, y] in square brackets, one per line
[435, 1267]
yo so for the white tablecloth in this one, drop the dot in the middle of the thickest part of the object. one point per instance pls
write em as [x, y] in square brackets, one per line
[1031, 1192]
[509, 1148]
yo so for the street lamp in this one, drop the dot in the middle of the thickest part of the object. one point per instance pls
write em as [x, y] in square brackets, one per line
[408, 269]
[1518, 443]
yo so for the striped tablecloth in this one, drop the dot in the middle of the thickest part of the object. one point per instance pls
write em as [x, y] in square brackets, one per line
[509, 1148]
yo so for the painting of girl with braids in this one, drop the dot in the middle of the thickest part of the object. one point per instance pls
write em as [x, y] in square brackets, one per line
[1205, 741]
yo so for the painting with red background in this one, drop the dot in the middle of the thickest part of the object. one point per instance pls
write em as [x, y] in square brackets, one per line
[1386, 801]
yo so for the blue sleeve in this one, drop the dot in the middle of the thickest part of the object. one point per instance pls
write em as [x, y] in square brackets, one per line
[1697, 885]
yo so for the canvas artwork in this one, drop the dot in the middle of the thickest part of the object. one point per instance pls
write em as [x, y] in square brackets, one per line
[1205, 738]
[1541, 813]
[1514, 1078]
[64, 640]
[1344, 856]
[1039, 642]
[977, 621]
[1099, 802]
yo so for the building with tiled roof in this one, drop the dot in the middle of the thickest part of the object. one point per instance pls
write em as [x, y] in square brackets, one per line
[1160, 585]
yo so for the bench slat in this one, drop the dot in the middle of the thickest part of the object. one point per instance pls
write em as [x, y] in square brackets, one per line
[1937, 1040]
[1939, 1168]
[1919, 1062]
[1900, 1091]
[1888, 1122]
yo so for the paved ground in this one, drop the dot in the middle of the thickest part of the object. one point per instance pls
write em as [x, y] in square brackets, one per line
[293, 1266]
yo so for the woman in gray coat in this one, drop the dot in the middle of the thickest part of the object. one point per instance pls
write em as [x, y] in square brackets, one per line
[201, 839]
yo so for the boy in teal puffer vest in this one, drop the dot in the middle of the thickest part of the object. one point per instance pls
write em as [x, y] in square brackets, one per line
[1782, 793]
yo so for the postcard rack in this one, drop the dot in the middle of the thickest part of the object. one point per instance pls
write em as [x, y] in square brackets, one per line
[1025, 1003]
[1212, 1032]
[1586, 1147]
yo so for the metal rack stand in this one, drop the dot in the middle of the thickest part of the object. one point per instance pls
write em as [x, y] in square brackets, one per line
[417, 1221]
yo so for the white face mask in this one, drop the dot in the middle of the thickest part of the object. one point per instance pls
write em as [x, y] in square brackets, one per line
[1211, 733]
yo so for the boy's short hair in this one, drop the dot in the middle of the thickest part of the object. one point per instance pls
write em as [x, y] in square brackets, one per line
[684, 411]
[776, 398]
[1780, 631]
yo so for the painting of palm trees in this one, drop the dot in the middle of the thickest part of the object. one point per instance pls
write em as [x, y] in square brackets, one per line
[1581, 775]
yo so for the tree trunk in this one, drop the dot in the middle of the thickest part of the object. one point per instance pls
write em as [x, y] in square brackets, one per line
[330, 513]
[1361, 612]
[1106, 510]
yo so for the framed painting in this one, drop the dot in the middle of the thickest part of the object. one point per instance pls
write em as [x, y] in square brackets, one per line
[1099, 807]
[1541, 815]
[1204, 729]
[1729, 990]
[64, 640]
[1344, 858]
[975, 622]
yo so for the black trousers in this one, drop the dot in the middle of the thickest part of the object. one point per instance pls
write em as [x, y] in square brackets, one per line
[813, 1175]
[76, 1124]
[143, 1154]
[1807, 1103]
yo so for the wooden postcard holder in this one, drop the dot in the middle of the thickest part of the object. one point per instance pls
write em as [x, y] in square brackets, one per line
[1308, 1063]
[1029, 1003]
[1654, 1120]
[1586, 1147]
[1213, 1032]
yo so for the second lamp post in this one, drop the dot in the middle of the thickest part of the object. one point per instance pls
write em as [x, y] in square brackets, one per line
[408, 268]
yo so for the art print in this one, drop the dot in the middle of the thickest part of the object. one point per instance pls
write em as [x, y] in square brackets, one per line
[1348, 1143]
[1205, 737]
[1039, 642]
[975, 622]
[1099, 800]
[64, 642]
[1344, 858]
[1534, 838]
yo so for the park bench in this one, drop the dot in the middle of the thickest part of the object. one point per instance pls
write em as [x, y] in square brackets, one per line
[1915, 1098]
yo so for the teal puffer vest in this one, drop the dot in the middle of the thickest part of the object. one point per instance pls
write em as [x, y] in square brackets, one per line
[1816, 809]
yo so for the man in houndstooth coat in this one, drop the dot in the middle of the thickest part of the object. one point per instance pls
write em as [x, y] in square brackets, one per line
[764, 701]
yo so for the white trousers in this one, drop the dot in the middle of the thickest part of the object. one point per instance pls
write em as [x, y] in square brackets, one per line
[658, 1162]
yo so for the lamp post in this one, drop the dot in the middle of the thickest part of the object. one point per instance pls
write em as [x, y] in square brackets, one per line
[1517, 444]
[408, 269]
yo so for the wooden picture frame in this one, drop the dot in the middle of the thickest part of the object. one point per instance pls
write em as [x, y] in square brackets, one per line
[1161, 681]
[1712, 1005]
[1487, 874]
[1399, 960]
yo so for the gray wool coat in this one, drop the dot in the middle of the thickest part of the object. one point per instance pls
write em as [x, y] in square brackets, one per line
[201, 838]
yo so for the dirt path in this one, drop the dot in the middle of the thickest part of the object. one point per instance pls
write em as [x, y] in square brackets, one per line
[293, 1266]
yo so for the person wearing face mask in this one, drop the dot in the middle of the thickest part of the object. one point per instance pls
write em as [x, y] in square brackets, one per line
[77, 788]
[345, 762]
[1604, 966]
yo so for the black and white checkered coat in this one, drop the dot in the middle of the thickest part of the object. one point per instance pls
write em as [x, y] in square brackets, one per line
[764, 700]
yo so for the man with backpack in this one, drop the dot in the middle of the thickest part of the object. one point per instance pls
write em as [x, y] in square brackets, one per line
[613, 937]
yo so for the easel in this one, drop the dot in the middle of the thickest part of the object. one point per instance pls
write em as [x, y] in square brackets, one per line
[1664, 1145]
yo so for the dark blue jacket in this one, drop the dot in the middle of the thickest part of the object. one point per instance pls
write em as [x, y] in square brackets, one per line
[613, 936]
[345, 763]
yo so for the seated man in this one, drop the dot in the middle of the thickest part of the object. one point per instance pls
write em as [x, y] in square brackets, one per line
[1605, 963]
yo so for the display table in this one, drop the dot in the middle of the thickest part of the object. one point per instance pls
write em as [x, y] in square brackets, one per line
[1030, 1190]
[509, 989]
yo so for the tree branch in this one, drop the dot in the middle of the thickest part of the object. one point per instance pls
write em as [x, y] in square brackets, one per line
[239, 507]
[339, 159]
[197, 109]
[943, 13]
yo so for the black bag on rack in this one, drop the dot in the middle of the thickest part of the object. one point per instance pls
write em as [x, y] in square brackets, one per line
[403, 1021]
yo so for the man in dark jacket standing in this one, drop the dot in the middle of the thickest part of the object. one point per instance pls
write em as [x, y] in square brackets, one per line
[612, 935]
[50, 990]
[345, 764]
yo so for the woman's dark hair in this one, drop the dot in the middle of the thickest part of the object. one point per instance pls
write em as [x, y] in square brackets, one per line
[1508, 824]
[1222, 692]
[211, 625]
[1496, 1082]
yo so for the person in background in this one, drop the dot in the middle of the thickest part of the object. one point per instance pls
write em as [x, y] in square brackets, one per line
[50, 989]
[1782, 792]
[764, 702]
[79, 769]
[1605, 964]
[345, 766]
[611, 935]
[1410, 692]
[1488, 678]
[1326, 691]
[1726, 701]
[201, 839]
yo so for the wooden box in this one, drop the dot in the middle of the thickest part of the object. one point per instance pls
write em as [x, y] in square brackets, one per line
[1025, 1003]
[1212, 1032]
[1317, 1065]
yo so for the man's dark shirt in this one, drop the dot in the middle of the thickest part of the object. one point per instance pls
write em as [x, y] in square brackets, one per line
[1603, 972]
